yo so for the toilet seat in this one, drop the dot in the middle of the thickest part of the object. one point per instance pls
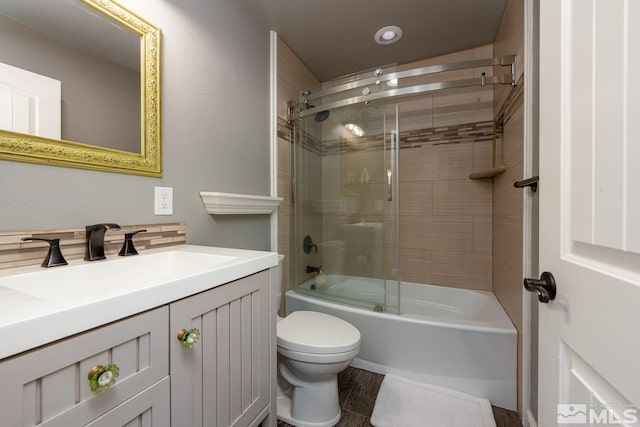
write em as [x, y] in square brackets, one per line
[318, 358]
[315, 334]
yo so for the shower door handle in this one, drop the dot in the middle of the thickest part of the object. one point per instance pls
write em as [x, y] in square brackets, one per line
[389, 185]
[293, 190]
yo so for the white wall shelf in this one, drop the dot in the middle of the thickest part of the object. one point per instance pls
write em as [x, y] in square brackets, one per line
[235, 204]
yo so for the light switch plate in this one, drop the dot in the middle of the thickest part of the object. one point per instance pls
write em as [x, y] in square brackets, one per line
[164, 200]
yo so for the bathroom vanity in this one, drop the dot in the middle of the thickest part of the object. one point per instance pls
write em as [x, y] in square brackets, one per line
[191, 343]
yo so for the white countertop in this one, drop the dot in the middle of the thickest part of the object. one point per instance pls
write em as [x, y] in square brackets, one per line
[27, 321]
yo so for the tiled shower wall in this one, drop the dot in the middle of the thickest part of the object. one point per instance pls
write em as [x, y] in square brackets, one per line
[445, 218]
[508, 201]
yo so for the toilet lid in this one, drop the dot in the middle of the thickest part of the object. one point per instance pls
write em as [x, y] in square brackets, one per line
[318, 333]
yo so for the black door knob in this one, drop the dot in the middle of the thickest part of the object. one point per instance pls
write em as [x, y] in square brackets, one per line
[545, 286]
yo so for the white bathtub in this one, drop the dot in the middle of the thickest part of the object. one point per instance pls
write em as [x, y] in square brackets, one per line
[456, 338]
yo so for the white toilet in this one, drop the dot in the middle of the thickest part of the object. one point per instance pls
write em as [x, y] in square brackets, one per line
[312, 348]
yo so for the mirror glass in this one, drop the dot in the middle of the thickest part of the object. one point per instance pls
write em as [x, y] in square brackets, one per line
[79, 85]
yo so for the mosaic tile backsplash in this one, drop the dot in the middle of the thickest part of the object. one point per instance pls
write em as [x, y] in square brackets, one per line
[16, 253]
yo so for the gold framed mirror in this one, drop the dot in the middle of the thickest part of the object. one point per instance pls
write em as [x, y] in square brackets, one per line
[33, 148]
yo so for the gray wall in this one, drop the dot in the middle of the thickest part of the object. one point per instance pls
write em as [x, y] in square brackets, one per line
[215, 133]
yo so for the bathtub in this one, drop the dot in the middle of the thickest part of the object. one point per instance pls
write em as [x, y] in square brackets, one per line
[456, 338]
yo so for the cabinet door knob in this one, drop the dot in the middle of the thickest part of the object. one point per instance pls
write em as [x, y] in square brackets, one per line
[101, 378]
[188, 338]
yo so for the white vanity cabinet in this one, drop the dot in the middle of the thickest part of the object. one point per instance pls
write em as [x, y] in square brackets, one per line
[224, 379]
[49, 386]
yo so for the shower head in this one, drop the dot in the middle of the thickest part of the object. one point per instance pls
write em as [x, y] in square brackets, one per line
[322, 116]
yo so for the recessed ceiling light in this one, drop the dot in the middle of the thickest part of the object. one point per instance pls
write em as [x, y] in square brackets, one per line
[387, 35]
[354, 129]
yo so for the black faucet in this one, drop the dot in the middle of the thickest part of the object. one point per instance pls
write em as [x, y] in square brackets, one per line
[95, 240]
[54, 257]
[127, 247]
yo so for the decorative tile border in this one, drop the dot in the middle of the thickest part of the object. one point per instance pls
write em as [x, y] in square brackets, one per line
[16, 253]
[443, 135]
[468, 132]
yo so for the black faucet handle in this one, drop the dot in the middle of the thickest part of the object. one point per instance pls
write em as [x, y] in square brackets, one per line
[127, 247]
[307, 244]
[130, 235]
[54, 257]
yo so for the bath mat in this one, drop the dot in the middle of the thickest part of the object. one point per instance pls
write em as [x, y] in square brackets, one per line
[405, 403]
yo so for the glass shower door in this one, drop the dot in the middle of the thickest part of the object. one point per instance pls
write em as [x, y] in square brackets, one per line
[345, 203]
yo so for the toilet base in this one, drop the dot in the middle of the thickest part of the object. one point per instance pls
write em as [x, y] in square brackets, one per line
[312, 401]
[284, 413]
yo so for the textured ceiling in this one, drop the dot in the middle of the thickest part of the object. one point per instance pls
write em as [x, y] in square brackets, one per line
[335, 37]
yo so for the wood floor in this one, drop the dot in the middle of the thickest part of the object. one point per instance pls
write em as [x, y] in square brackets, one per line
[358, 392]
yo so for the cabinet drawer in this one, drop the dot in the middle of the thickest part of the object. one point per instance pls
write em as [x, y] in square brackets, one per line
[49, 386]
[147, 409]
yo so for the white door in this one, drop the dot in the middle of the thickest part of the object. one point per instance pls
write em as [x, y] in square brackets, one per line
[589, 345]
[29, 103]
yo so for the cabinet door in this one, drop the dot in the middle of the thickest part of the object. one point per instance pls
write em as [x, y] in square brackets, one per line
[49, 386]
[147, 409]
[224, 379]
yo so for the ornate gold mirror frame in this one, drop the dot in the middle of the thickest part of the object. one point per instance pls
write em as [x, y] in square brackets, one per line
[35, 149]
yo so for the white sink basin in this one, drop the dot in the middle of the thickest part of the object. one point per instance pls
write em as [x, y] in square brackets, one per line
[42, 305]
[114, 276]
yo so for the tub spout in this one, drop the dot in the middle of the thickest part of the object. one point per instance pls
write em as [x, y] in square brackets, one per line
[312, 269]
